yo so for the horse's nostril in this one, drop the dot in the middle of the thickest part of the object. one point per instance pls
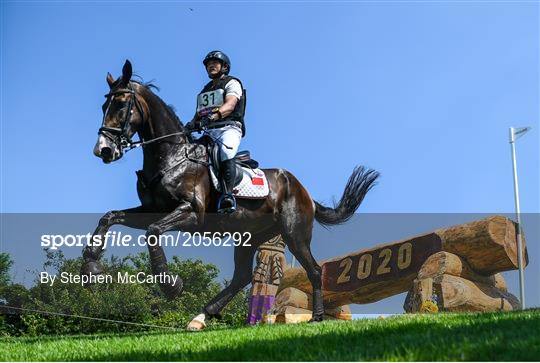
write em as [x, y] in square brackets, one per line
[106, 152]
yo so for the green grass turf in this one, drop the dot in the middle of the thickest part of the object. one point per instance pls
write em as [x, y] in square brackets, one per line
[513, 336]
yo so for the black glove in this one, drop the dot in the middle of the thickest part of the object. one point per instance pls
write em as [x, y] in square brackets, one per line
[191, 126]
[214, 116]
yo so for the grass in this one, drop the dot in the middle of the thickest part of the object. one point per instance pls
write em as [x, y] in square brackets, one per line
[512, 336]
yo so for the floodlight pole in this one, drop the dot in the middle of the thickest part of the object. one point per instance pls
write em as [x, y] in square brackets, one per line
[519, 132]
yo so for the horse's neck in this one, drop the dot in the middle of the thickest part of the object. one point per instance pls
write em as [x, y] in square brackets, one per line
[159, 123]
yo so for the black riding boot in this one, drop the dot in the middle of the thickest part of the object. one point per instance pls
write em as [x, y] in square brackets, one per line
[227, 203]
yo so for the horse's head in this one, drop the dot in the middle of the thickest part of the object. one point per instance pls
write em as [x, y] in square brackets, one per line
[123, 116]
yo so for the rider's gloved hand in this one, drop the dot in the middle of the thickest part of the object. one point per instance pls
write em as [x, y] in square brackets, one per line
[215, 115]
[191, 125]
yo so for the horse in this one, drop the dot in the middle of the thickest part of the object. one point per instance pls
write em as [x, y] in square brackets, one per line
[176, 194]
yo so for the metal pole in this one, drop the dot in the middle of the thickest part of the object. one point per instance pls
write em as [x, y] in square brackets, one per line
[518, 216]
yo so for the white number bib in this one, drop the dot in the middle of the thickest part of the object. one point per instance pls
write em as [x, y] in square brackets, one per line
[210, 99]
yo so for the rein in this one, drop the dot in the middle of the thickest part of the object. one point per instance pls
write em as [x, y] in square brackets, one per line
[136, 144]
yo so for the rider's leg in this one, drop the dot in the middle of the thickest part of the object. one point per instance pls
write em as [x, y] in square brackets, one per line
[227, 203]
[228, 140]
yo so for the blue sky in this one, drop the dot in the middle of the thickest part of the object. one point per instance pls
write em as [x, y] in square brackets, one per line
[423, 92]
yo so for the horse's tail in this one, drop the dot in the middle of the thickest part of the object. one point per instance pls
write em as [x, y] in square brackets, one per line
[359, 183]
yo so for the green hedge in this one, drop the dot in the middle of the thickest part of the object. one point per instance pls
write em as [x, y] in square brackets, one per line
[137, 303]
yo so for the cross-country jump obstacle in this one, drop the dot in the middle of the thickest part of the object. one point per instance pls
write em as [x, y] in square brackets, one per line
[452, 269]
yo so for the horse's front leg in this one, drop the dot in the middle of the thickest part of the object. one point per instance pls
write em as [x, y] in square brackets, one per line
[133, 217]
[182, 218]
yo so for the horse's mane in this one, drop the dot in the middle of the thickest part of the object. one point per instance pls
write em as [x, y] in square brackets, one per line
[149, 86]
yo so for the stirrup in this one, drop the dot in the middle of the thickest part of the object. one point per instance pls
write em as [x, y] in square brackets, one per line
[229, 209]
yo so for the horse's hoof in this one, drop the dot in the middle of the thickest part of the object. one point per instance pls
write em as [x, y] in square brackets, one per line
[196, 324]
[91, 268]
[316, 319]
[172, 291]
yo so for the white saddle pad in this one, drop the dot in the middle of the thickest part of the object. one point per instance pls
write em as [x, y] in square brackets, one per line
[253, 185]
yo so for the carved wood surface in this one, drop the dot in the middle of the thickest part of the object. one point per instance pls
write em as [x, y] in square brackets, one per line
[457, 294]
[474, 250]
[270, 262]
[266, 278]
[448, 263]
[293, 297]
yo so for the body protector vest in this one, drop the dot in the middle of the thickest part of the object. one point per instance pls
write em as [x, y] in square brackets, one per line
[213, 95]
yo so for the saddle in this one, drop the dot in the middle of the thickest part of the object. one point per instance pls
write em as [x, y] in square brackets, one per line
[250, 181]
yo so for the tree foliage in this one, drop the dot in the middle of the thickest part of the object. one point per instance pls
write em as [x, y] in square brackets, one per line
[127, 302]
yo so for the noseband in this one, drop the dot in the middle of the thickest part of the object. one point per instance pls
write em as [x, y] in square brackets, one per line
[119, 135]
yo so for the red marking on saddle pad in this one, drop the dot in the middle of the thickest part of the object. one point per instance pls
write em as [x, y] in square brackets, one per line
[257, 181]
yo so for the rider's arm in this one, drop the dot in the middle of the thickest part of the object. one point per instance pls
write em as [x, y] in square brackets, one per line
[233, 92]
[228, 107]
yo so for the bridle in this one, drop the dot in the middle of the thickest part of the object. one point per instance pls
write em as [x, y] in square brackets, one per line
[119, 135]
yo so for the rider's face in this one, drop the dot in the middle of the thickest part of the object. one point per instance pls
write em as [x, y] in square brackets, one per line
[213, 67]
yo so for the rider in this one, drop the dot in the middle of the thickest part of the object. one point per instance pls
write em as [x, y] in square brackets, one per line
[220, 109]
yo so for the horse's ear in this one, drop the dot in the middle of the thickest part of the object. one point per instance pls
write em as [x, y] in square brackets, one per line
[127, 71]
[110, 79]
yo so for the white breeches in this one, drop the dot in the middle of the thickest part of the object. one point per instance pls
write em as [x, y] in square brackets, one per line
[228, 138]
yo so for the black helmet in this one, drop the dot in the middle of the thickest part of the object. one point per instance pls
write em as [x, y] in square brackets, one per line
[219, 55]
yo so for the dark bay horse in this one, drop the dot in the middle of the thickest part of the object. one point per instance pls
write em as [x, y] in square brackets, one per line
[175, 191]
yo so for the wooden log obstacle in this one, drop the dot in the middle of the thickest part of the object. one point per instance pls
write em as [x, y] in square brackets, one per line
[450, 269]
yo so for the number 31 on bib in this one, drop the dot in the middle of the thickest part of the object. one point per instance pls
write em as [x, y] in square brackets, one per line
[210, 99]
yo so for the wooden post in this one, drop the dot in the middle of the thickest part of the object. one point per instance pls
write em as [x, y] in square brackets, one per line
[266, 278]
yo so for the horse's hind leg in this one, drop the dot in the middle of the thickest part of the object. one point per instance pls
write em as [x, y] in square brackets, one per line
[299, 245]
[297, 215]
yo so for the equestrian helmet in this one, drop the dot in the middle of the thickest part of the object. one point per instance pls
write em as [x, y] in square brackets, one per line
[219, 55]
